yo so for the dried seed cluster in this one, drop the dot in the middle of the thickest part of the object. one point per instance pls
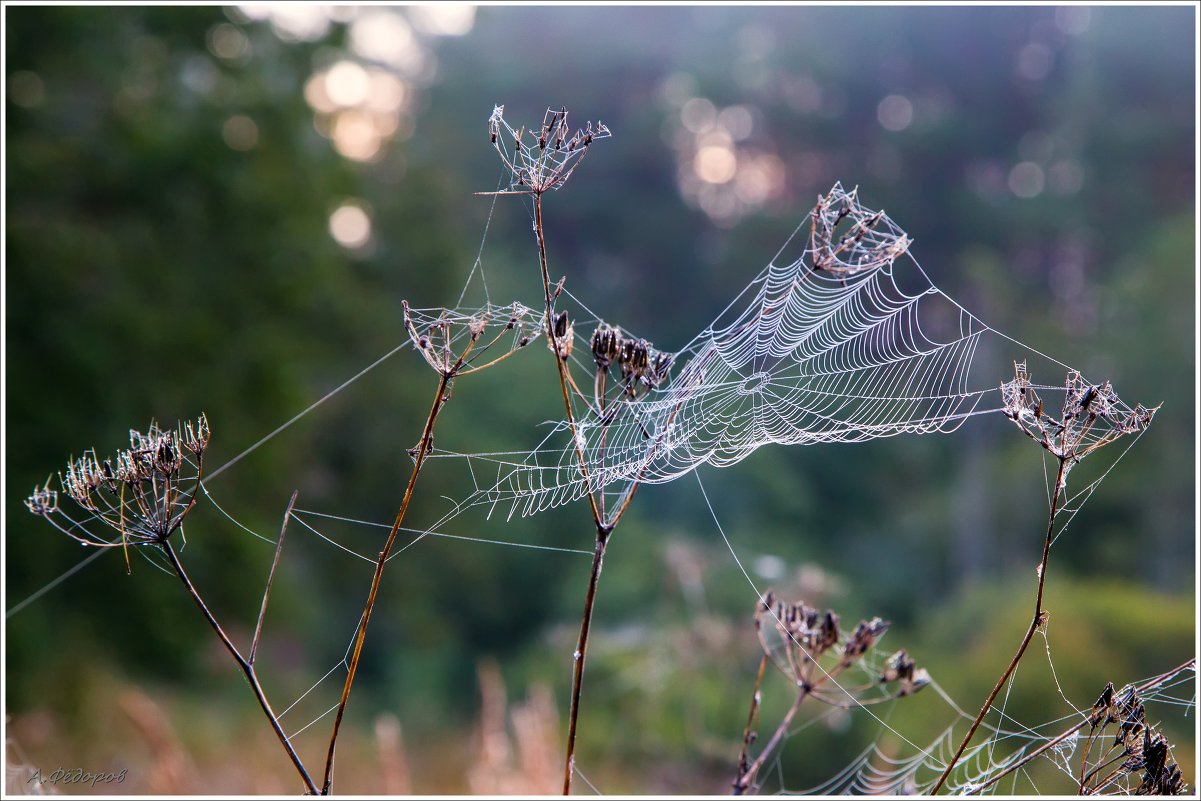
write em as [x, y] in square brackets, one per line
[798, 637]
[540, 161]
[809, 647]
[1092, 415]
[862, 247]
[564, 336]
[637, 359]
[140, 492]
[450, 342]
[1143, 753]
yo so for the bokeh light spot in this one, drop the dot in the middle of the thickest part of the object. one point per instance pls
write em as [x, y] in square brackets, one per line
[1034, 61]
[25, 89]
[240, 132]
[715, 164]
[698, 115]
[350, 225]
[895, 113]
[1026, 179]
[347, 84]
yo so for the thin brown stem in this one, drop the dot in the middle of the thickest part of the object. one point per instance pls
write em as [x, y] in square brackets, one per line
[1034, 624]
[560, 364]
[1088, 748]
[581, 650]
[246, 666]
[279, 549]
[748, 777]
[748, 731]
[603, 529]
[423, 449]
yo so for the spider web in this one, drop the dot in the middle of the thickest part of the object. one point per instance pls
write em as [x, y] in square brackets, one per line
[1004, 762]
[848, 342]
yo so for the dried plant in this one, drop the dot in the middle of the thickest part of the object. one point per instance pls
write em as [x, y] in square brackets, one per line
[1135, 755]
[537, 164]
[142, 493]
[1122, 754]
[1092, 416]
[145, 493]
[437, 346]
[517, 754]
[813, 652]
[541, 159]
[843, 236]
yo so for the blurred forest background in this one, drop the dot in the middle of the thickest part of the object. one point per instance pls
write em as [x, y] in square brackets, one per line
[221, 209]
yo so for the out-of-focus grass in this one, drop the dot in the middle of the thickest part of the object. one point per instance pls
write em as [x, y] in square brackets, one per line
[676, 688]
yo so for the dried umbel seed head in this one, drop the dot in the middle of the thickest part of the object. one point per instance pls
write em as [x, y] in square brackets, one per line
[476, 326]
[196, 438]
[43, 501]
[547, 159]
[563, 341]
[634, 360]
[1144, 750]
[660, 369]
[901, 668]
[1092, 415]
[863, 638]
[870, 242]
[143, 493]
[607, 343]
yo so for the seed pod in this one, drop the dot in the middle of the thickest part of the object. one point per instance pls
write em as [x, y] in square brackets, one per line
[564, 336]
[606, 346]
[660, 368]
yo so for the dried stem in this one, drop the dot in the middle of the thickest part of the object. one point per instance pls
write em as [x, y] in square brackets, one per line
[1038, 619]
[603, 529]
[742, 781]
[244, 664]
[423, 449]
[747, 777]
[279, 549]
[560, 364]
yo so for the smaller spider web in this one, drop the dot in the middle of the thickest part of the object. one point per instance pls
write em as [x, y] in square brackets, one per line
[1010, 759]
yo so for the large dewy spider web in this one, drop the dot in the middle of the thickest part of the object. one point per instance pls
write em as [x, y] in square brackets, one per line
[848, 342]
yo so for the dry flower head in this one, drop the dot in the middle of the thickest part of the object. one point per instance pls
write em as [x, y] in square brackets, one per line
[1092, 415]
[143, 493]
[456, 344]
[845, 238]
[542, 159]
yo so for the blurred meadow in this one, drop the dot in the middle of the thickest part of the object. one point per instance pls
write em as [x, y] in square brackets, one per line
[220, 210]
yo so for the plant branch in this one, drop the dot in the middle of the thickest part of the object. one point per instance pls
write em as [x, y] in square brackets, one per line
[581, 649]
[561, 364]
[1038, 619]
[279, 549]
[747, 777]
[423, 449]
[603, 530]
[246, 666]
[748, 733]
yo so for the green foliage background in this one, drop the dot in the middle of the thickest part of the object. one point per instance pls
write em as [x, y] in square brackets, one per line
[152, 272]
